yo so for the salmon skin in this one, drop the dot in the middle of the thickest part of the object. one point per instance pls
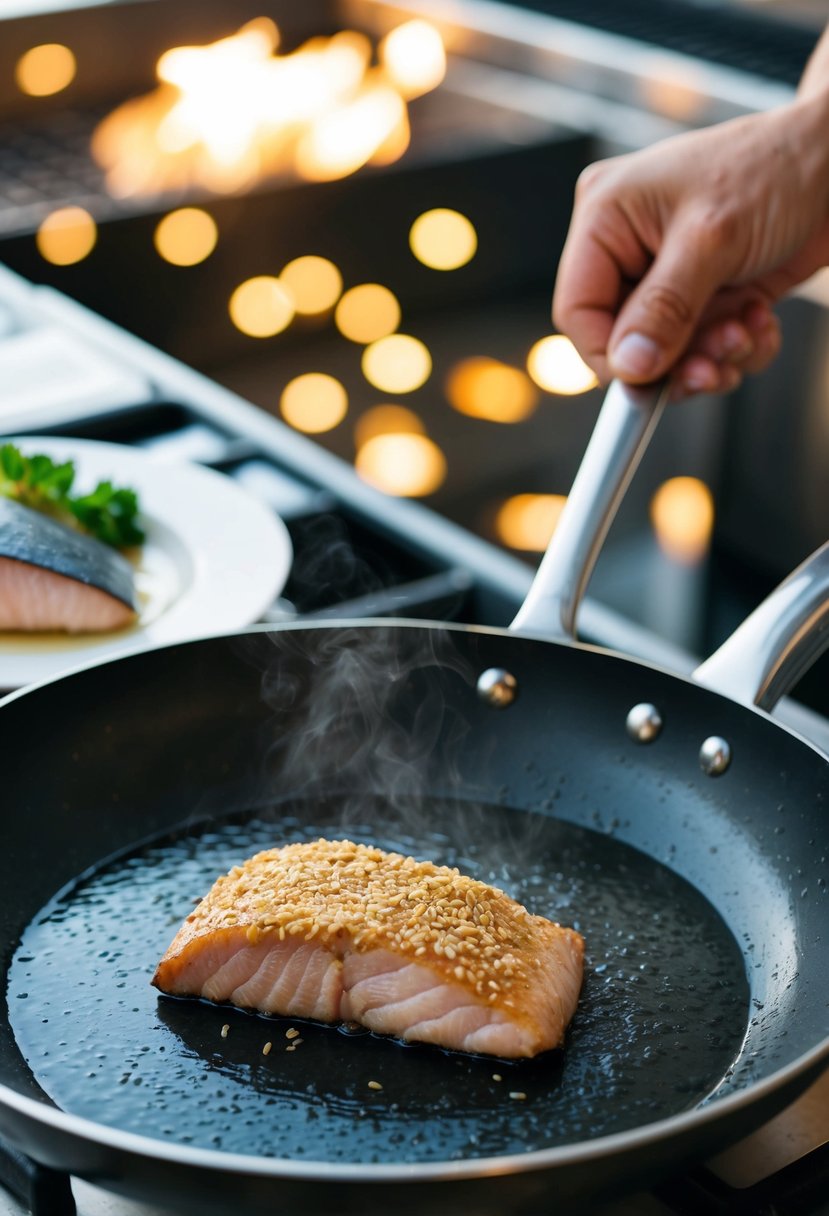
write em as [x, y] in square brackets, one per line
[53, 578]
[337, 931]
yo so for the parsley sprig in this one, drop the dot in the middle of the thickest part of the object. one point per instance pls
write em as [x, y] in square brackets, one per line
[107, 513]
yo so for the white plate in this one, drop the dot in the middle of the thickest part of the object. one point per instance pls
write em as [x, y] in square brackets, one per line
[214, 559]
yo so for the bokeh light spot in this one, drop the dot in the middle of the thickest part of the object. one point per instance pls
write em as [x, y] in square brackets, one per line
[555, 365]
[314, 284]
[261, 307]
[367, 312]
[527, 521]
[486, 388]
[386, 420]
[443, 239]
[397, 364]
[45, 70]
[186, 237]
[314, 402]
[682, 514]
[407, 465]
[66, 236]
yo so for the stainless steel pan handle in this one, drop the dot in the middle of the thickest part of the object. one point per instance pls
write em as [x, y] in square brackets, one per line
[766, 655]
[622, 433]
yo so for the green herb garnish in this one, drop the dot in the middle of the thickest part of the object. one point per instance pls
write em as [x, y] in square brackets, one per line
[107, 513]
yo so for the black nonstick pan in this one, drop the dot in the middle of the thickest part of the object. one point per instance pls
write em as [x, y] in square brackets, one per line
[681, 830]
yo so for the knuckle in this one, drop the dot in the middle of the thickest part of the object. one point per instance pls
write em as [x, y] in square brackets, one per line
[714, 228]
[589, 179]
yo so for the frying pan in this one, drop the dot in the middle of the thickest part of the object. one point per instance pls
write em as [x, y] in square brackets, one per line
[673, 821]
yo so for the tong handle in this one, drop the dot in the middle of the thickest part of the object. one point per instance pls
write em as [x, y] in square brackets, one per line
[623, 430]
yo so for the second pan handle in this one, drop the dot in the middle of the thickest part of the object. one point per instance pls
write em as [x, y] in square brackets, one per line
[623, 430]
[766, 656]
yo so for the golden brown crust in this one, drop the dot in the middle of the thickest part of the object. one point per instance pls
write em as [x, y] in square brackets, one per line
[353, 896]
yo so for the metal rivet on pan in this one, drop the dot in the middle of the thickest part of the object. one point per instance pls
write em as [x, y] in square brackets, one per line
[497, 687]
[644, 722]
[715, 755]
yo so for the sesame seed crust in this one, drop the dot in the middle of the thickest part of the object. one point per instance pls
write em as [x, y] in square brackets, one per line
[361, 898]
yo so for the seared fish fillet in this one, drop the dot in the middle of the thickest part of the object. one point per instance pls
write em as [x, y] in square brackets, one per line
[53, 578]
[338, 931]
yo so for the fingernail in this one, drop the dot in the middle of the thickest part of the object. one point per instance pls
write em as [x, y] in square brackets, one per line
[635, 355]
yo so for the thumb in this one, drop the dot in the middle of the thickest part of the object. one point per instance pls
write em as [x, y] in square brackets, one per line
[658, 319]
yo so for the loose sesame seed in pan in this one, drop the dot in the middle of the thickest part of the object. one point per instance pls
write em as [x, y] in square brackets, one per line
[266, 1050]
[225, 1030]
[518, 1095]
[374, 1085]
[496, 1076]
[291, 1033]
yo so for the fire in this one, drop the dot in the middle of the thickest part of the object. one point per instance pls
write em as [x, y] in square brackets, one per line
[227, 114]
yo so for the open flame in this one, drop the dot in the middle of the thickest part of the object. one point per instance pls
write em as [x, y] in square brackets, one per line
[227, 114]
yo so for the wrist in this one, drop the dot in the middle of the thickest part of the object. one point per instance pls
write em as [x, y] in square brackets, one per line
[815, 79]
[810, 140]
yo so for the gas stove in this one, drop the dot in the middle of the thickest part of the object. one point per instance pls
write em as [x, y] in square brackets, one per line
[401, 559]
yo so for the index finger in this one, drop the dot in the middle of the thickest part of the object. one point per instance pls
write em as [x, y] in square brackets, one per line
[592, 284]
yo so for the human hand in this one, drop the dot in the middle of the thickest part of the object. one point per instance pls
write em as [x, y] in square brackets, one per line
[677, 253]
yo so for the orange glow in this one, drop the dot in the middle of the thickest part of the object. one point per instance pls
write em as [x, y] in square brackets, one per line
[313, 283]
[386, 420]
[397, 364]
[486, 388]
[367, 312]
[66, 236]
[407, 465]
[443, 239]
[186, 237]
[682, 514]
[314, 403]
[261, 307]
[229, 113]
[45, 70]
[678, 93]
[555, 365]
[345, 139]
[527, 521]
[414, 57]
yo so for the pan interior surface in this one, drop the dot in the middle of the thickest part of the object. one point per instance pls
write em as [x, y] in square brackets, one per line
[660, 1024]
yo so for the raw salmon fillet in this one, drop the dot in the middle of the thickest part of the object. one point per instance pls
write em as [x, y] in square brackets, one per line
[338, 931]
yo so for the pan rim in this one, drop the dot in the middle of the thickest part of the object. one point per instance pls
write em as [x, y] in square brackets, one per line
[579, 1152]
[311, 1170]
[296, 626]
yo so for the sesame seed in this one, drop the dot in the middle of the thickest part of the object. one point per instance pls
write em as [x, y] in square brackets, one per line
[496, 1076]
[291, 1033]
[266, 1050]
[329, 891]
[374, 1085]
[518, 1095]
[225, 1030]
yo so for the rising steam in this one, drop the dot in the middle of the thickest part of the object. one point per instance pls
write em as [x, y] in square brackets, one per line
[366, 713]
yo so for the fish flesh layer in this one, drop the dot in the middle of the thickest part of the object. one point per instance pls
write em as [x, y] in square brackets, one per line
[53, 578]
[337, 931]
